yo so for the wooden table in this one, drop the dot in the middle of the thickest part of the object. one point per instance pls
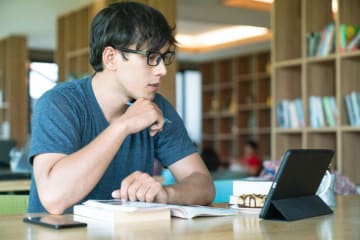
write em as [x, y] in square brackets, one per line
[344, 224]
[14, 181]
[15, 185]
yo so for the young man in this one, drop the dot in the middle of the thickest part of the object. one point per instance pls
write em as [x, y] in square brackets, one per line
[251, 160]
[88, 143]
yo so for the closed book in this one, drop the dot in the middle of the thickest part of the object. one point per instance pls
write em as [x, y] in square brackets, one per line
[116, 211]
[300, 112]
[334, 109]
[355, 108]
[355, 42]
[312, 112]
[329, 40]
[280, 114]
[316, 112]
[321, 46]
[294, 121]
[320, 112]
[285, 104]
[343, 40]
[121, 215]
[330, 120]
[313, 39]
[251, 186]
[349, 110]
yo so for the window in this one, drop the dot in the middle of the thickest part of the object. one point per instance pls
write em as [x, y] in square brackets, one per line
[188, 102]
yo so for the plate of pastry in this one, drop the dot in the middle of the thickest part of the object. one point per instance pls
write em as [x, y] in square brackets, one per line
[248, 203]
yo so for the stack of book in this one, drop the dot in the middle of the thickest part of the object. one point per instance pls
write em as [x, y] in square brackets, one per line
[290, 113]
[323, 111]
[249, 194]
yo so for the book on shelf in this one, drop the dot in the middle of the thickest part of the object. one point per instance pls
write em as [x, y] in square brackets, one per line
[118, 211]
[355, 43]
[329, 115]
[290, 113]
[326, 44]
[349, 37]
[352, 104]
[313, 39]
[323, 111]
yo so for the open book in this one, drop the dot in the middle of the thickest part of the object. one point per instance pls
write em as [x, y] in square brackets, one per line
[124, 211]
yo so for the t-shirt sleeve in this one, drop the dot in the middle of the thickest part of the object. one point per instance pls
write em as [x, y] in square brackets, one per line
[173, 143]
[55, 126]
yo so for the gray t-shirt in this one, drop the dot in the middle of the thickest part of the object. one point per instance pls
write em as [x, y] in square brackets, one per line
[68, 117]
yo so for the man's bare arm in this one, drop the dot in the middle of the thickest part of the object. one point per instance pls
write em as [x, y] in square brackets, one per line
[63, 180]
[194, 185]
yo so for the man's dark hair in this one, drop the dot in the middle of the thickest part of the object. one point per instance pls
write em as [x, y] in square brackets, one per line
[126, 23]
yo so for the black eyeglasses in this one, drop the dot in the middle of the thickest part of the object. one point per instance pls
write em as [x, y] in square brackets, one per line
[153, 58]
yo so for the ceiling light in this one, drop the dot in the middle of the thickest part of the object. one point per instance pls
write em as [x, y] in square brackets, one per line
[260, 5]
[264, 1]
[219, 36]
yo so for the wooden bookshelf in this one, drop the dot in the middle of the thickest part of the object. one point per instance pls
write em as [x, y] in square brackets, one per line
[14, 105]
[236, 104]
[295, 75]
[73, 30]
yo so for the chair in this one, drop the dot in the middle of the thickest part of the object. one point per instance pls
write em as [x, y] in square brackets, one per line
[168, 178]
[223, 187]
[13, 204]
[223, 190]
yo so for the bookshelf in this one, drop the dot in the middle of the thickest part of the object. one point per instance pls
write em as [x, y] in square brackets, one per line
[236, 104]
[14, 103]
[73, 28]
[295, 75]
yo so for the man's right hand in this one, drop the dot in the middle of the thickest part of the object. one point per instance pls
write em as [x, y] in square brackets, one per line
[142, 114]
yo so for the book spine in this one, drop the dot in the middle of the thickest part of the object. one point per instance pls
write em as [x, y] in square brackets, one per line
[349, 110]
[312, 111]
[294, 122]
[320, 112]
[286, 114]
[330, 121]
[320, 49]
[354, 44]
[329, 39]
[334, 109]
[280, 114]
[300, 112]
[343, 38]
[356, 109]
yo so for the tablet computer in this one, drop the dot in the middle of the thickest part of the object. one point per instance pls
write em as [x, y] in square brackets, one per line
[292, 195]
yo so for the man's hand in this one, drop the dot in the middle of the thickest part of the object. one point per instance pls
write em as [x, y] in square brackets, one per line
[143, 114]
[140, 186]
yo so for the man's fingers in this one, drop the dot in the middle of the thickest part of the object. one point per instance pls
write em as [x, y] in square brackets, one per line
[116, 194]
[127, 182]
[153, 191]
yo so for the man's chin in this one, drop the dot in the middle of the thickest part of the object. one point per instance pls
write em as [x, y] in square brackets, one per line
[149, 96]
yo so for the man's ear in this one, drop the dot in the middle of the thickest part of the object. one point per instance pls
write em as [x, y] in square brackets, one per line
[109, 58]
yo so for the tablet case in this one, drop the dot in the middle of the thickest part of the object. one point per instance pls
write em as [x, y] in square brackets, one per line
[301, 207]
[293, 193]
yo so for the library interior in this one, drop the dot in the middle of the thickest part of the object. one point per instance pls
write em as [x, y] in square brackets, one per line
[251, 80]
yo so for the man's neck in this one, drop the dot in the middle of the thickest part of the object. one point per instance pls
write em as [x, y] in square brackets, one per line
[112, 101]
